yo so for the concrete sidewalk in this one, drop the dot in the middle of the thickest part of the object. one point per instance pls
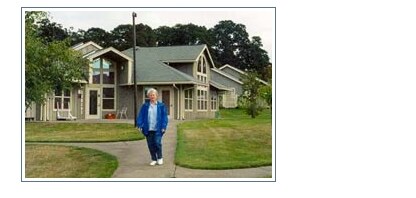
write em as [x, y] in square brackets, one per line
[134, 159]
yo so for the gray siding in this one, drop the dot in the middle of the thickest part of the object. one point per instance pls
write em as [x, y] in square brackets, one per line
[122, 74]
[185, 68]
[232, 72]
[227, 82]
[125, 97]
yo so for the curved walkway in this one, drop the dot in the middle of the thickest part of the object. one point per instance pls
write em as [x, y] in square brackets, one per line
[133, 158]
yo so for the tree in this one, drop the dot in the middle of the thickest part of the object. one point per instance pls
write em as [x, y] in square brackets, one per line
[229, 39]
[97, 35]
[76, 37]
[267, 73]
[122, 36]
[48, 65]
[253, 57]
[251, 94]
[265, 92]
[189, 34]
[145, 36]
[51, 31]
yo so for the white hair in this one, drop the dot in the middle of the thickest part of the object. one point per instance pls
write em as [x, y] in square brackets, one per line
[151, 90]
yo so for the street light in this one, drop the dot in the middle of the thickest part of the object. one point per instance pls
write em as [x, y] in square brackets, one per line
[134, 15]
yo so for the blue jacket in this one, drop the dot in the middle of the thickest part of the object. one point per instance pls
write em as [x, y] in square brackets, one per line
[142, 119]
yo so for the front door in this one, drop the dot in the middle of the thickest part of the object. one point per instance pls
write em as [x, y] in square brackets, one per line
[93, 104]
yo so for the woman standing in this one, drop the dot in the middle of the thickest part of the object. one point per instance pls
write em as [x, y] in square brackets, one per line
[152, 122]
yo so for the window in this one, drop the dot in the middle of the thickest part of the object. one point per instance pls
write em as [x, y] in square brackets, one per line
[108, 72]
[62, 99]
[108, 98]
[96, 70]
[202, 69]
[103, 71]
[214, 101]
[188, 98]
[202, 96]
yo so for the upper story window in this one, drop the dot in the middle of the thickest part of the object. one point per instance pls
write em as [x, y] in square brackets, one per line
[103, 71]
[202, 69]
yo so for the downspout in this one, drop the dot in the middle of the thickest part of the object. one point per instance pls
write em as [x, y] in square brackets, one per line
[182, 116]
[179, 96]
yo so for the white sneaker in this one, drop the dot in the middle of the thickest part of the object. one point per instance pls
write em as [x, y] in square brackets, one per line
[153, 163]
[160, 161]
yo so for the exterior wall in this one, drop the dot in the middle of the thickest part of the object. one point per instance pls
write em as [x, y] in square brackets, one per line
[122, 72]
[183, 67]
[47, 111]
[227, 82]
[229, 99]
[125, 97]
[200, 114]
[77, 103]
[30, 112]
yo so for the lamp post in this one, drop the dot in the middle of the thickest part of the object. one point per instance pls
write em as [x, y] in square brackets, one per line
[134, 69]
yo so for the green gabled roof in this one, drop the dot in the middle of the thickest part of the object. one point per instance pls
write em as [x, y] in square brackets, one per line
[150, 66]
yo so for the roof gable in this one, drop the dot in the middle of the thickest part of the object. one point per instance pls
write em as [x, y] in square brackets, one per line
[227, 66]
[107, 50]
[226, 75]
[90, 44]
[151, 67]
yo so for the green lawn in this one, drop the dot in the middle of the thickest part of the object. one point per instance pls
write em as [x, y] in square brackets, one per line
[233, 141]
[80, 132]
[54, 161]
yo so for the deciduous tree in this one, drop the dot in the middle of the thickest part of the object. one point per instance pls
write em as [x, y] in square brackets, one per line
[251, 94]
[48, 65]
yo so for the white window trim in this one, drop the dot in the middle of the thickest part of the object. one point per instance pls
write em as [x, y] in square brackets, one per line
[114, 99]
[205, 90]
[191, 100]
[62, 97]
[202, 63]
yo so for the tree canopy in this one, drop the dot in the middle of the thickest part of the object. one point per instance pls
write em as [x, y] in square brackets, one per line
[50, 64]
[228, 42]
[252, 94]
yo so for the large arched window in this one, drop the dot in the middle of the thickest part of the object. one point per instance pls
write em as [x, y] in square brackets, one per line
[202, 69]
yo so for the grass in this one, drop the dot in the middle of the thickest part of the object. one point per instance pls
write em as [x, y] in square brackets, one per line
[54, 161]
[233, 141]
[80, 132]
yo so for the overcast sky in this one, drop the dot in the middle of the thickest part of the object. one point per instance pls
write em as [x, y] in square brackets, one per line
[258, 21]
